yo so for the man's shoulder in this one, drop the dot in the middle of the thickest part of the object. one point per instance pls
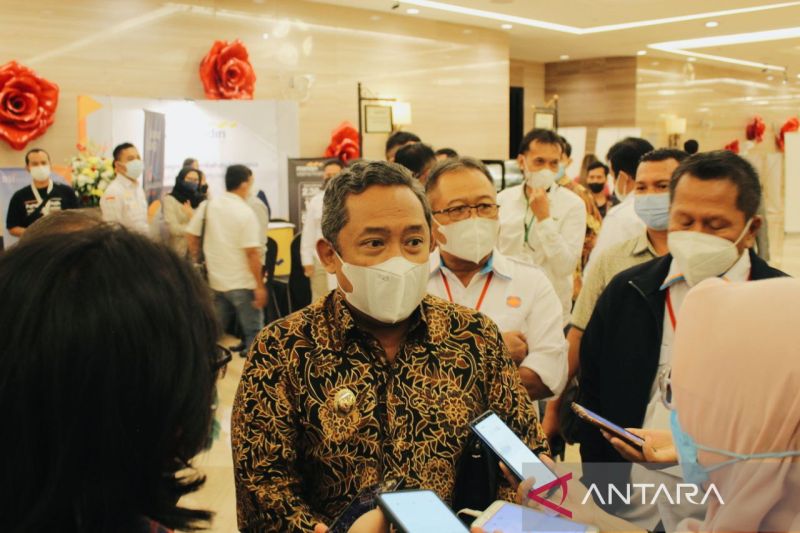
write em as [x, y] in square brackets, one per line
[518, 269]
[569, 197]
[509, 194]
[652, 272]
[22, 194]
[447, 319]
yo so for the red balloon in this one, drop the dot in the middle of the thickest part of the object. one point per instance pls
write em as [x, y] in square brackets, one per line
[733, 146]
[344, 143]
[27, 104]
[226, 72]
[755, 129]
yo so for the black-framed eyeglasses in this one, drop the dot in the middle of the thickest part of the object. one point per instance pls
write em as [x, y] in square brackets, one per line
[462, 212]
[222, 357]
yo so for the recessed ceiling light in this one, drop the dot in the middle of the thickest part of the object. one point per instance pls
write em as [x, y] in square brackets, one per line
[506, 26]
[641, 53]
[412, 11]
[564, 57]
[712, 24]
[691, 59]
[763, 102]
[798, 76]
[265, 35]
[748, 98]
[770, 78]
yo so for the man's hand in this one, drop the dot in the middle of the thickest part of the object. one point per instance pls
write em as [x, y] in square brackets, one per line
[308, 270]
[517, 345]
[260, 297]
[540, 204]
[551, 422]
[658, 449]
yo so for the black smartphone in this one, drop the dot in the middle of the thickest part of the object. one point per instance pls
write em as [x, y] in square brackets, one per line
[510, 449]
[366, 500]
[419, 511]
[593, 418]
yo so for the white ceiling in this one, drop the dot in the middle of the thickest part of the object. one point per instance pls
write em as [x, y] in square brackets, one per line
[585, 36]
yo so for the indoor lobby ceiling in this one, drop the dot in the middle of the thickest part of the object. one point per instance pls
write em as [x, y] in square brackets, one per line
[580, 29]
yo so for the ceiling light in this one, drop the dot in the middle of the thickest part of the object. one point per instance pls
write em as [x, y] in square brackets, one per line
[412, 11]
[770, 78]
[506, 26]
[265, 36]
[375, 17]
[524, 21]
[691, 59]
[763, 102]
[564, 57]
[641, 53]
[748, 98]
[712, 24]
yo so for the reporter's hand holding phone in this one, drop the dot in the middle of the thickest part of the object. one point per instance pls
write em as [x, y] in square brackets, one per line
[658, 450]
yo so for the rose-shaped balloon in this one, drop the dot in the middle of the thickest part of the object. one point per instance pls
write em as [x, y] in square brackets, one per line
[733, 146]
[226, 72]
[27, 104]
[344, 143]
[793, 124]
[755, 129]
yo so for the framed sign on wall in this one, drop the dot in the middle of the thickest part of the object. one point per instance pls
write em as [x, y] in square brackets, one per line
[378, 119]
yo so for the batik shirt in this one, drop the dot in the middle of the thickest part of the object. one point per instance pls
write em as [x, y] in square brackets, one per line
[320, 414]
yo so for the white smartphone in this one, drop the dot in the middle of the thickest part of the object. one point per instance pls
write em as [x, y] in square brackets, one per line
[510, 449]
[419, 511]
[512, 518]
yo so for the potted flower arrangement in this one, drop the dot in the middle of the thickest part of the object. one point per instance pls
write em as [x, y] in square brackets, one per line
[91, 175]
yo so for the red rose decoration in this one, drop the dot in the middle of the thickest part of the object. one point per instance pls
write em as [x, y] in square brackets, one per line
[789, 126]
[733, 146]
[344, 143]
[226, 72]
[755, 130]
[27, 104]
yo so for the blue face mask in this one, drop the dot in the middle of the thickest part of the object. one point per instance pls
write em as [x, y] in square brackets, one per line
[653, 209]
[694, 472]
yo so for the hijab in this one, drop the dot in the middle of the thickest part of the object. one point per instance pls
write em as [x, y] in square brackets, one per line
[181, 192]
[736, 387]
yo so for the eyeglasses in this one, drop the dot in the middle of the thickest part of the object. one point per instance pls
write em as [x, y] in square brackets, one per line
[462, 212]
[222, 357]
[665, 387]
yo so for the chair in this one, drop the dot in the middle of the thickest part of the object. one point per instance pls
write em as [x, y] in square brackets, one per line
[277, 301]
[299, 284]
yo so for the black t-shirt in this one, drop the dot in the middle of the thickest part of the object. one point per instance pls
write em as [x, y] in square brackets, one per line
[23, 204]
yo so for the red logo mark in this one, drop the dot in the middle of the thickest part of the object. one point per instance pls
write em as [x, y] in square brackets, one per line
[534, 495]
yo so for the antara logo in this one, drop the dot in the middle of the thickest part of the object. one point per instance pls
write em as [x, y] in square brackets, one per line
[684, 492]
[539, 495]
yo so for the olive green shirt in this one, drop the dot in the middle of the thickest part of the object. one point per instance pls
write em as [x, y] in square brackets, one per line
[608, 264]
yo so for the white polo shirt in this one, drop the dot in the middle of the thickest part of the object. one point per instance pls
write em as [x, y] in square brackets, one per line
[518, 297]
[231, 226]
[621, 224]
[555, 244]
[124, 202]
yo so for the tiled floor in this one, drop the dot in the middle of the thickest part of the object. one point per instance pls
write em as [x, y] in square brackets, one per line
[218, 494]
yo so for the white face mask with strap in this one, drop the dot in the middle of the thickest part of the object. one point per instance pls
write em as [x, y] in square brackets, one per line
[388, 292]
[701, 256]
[470, 239]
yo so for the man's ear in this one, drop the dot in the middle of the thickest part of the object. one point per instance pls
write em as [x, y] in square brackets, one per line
[327, 256]
[749, 240]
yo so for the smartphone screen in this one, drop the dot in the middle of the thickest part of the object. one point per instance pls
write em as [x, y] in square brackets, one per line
[514, 453]
[610, 426]
[363, 502]
[419, 511]
[512, 518]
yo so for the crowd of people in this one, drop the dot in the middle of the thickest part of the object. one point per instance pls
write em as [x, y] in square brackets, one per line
[436, 298]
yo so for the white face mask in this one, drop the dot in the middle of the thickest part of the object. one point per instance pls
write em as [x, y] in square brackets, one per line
[701, 256]
[40, 173]
[388, 292]
[134, 168]
[471, 239]
[540, 179]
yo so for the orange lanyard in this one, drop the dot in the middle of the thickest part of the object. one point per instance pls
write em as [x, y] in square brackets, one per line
[671, 311]
[483, 292]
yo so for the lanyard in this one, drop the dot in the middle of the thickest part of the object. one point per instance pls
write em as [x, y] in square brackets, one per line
[39, 196]
[483, 292]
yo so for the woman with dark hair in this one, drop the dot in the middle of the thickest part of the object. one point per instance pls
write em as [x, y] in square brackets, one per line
[178, 207]
[108, 363]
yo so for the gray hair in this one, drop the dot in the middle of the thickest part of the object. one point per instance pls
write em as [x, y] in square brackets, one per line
[451, 164]
[354, 180]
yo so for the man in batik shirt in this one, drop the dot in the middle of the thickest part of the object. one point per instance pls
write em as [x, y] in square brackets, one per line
[375, 381]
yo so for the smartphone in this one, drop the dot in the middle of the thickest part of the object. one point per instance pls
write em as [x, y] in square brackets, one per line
[363, 502]
[510, 449]
[512, 518]
[419, 511]
[597, 420]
